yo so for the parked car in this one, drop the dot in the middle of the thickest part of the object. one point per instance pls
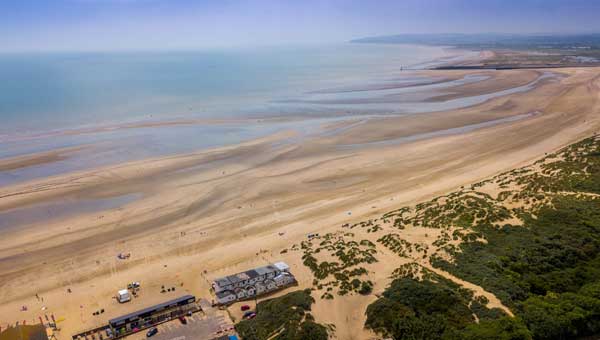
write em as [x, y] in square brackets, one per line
[251, 316]
[247, 314]
[152, 332]
[183, 320]
[245, 308]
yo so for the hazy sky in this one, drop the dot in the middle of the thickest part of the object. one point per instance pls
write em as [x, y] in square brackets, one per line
[193, 24]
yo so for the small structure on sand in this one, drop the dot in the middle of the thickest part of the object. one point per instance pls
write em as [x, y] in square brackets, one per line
[123, 296]
[123, 256]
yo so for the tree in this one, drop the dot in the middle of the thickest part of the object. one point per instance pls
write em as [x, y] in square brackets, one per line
[506, 328]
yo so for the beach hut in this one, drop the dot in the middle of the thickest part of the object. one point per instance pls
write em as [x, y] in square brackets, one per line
[260, 288]
[270, 284]
[281, 266]
[240, 293]
[226, 297]
[250, 291]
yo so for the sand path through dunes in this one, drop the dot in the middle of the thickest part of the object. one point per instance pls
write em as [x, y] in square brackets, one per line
[494, 302]
[193, 216]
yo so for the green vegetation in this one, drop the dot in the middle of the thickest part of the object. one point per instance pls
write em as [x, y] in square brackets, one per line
[371, 225]
[436, 308]
[546, 269]
[502, 329]
[283, 318]
[402, 247]
[346, 270]
[542, 270]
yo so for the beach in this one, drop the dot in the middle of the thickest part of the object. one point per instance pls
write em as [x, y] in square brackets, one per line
[190, 216]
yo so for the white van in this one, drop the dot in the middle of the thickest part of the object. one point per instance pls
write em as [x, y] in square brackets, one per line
[123, 296]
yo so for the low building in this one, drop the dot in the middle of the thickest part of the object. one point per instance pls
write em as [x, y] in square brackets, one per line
[226, 297]
[148, 317]
[249, 277]
[282, 266]
[252, 283]
[284, 279]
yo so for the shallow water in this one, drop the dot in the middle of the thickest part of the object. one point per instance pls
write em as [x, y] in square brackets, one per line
[118, 146]
[58, 91]
[310, 85]
[384, 100]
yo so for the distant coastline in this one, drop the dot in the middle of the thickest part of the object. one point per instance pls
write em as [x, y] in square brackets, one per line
[510, 51]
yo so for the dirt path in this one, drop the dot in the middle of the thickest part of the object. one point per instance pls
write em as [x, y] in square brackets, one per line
[494, 302]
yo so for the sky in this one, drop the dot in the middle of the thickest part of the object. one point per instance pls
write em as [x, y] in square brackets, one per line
[106, 25]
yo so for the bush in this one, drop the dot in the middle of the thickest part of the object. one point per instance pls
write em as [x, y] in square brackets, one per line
[287, 311]
[366, 288]
[414, 309]
[502, 329]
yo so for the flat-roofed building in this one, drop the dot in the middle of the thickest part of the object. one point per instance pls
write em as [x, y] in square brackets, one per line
[252, 282]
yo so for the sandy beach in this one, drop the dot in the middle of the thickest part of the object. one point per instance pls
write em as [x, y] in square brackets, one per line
[196, 216]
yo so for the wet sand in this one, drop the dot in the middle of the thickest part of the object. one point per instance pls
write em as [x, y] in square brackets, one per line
[222, 210]
[39, 158]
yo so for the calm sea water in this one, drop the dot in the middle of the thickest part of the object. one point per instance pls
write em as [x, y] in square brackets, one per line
[43, 94]
[55, 91]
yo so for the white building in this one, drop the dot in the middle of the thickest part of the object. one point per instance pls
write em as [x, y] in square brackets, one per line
[226, 297]
[123, 296]
[283, 279]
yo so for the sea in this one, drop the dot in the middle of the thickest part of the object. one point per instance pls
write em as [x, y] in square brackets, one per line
[67, 90]
[52, 101]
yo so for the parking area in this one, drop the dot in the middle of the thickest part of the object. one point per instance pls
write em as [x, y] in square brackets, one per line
[209, 324]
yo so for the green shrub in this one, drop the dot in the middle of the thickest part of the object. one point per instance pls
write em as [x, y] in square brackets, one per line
[286, 315]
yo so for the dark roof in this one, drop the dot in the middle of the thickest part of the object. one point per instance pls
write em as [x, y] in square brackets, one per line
[150, 309]
[239, 277]
[234, 278]
[224, 293]
[221, 282]
[265, 269]
[247, 275]
[252, 273]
